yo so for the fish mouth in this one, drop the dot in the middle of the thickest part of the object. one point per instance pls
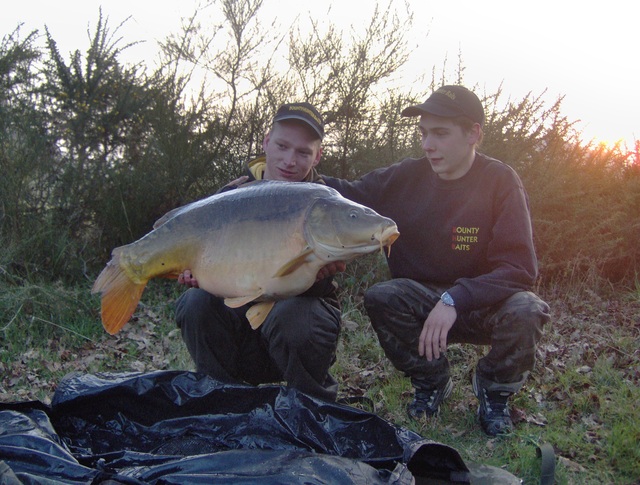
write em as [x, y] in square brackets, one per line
[383, 237]
[387, 236]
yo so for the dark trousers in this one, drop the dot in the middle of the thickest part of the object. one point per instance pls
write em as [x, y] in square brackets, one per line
[398, 309]
[296, 343]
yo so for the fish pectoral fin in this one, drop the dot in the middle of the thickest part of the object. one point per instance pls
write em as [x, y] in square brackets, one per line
[241, 300]
[258, 312]
[294, 264]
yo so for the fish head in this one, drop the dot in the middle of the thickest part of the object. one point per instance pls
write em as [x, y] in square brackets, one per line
[337, 229]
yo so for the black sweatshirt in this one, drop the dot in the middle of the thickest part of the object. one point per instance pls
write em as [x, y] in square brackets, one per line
[472, 234]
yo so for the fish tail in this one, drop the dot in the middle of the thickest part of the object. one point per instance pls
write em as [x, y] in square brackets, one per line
[120, 295]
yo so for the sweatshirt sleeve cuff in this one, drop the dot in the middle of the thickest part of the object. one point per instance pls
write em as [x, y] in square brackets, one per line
[461, 298]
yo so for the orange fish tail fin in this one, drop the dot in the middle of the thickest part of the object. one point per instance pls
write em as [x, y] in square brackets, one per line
[120, 296]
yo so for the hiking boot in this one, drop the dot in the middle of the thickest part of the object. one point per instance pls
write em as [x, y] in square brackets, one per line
[493, 408]
[426, 400]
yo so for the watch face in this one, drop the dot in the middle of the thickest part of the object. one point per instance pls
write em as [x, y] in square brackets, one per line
[446, 299]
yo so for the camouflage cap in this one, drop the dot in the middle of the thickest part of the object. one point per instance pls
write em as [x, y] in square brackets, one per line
[304, 112]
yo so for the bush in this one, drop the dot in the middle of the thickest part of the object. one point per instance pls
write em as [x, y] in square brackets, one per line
[94, 151]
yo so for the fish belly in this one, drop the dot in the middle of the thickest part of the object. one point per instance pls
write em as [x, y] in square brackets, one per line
[245, 259]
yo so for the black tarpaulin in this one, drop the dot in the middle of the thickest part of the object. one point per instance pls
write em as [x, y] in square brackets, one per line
[175, 427]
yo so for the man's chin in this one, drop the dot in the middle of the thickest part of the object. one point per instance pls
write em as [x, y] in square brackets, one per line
[289, 177]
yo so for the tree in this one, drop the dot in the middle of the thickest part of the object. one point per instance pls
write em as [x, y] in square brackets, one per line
[26, 155]
[233, 61]
[344, 79]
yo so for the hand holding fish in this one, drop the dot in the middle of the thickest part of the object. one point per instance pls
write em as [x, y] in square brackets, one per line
[237, 182]
[187, 279]
[331, 269]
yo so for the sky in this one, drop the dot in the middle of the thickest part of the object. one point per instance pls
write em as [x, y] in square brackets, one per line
[586, 52]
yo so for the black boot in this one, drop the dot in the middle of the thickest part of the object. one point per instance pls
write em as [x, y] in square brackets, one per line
[493, 407]
[427, 399]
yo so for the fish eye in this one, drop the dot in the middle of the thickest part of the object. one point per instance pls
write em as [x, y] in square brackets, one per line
[353, 214]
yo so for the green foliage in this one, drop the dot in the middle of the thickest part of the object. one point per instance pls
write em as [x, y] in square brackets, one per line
[95, 151]
[50, 330]
[40, 313]
[35, 243]
[101, 115]
[585, 201]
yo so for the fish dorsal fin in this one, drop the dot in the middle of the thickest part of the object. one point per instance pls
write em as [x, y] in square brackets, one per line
[292, 265]
[258, 312]
[166, 217]
[238, 301]
[172, 213]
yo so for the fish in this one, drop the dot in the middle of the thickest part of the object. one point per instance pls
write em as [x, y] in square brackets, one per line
[261, 242]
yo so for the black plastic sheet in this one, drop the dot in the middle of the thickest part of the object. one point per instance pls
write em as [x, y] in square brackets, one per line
[181, 427]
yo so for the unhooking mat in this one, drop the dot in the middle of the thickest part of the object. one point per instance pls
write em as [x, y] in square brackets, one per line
[176, 427]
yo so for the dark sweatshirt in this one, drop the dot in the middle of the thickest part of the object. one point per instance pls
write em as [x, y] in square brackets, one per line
[472, 234]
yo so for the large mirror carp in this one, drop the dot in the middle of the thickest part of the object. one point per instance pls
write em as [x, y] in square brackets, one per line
[262, 242]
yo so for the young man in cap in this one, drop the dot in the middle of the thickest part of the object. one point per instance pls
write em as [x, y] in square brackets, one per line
[297, 341]
[463, 266]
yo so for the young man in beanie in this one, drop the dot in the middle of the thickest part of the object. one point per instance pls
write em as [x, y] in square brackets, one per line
[463, 266]
[297, 341]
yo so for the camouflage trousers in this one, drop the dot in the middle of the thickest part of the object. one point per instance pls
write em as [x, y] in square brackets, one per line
[399, 307]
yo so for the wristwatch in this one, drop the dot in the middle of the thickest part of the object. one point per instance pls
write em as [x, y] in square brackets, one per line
[447, 299]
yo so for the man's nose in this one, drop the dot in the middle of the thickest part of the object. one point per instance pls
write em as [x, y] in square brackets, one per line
[427, 145]
[290, 158]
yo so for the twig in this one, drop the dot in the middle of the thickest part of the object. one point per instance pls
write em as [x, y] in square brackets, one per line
[606, 342]
[63, 328]
[14, 317]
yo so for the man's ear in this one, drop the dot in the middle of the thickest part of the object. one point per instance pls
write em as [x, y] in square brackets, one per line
[318, 156]
[265, 140]
[474, 134]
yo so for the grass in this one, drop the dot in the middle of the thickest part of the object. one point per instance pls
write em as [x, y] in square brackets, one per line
[583, 396]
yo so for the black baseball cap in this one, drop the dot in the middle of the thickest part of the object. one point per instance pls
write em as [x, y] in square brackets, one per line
[303, 112]
[450, 102]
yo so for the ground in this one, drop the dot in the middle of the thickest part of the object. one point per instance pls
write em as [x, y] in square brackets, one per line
[582, 397]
